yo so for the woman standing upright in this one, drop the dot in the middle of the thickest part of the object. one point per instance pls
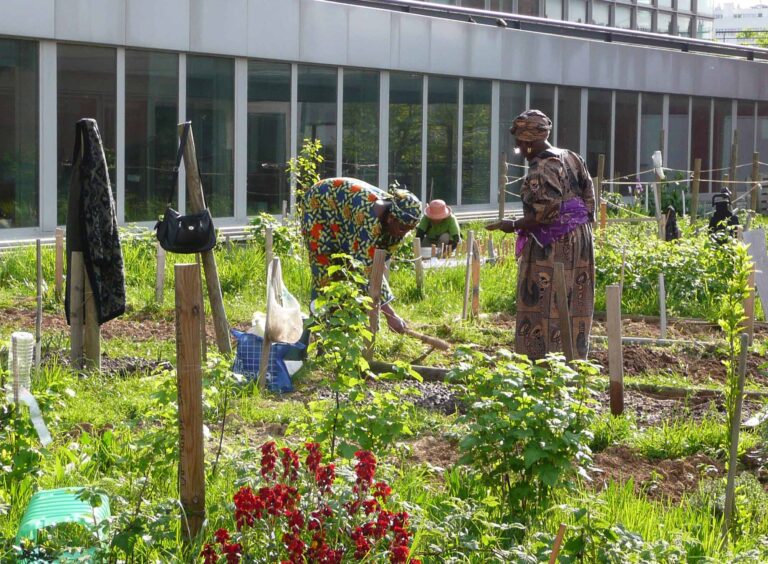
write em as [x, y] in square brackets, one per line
[558, 208]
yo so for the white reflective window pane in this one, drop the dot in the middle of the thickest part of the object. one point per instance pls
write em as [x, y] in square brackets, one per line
[553, 9]
[405, 124]
[623, 17]
[644, 20]
[664, 23]
[317, 112]
[577, 11]
[601, 14]
[361, 125]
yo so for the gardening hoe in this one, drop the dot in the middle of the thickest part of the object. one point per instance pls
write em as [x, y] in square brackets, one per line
[431, 341]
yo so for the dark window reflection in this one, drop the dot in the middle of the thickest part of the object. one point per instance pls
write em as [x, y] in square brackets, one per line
[442, 138]
[405, 122]
[317, 112]
[361, 125]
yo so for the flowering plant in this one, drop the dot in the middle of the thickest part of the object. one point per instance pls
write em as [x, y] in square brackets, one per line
[304, 514]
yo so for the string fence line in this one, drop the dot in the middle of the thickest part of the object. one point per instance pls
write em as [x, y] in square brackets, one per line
[623, 208]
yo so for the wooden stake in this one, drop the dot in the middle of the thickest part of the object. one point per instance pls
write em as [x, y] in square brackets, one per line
[615, 350]
[603, 215]
[561, 299]
[491, 251]
[468, 274]
[695, 189]
[92, 338]
[39, 310]
[623, 264]
[475, 279]
[502, 183]
[434, 251]
[657, 204]
[159, 274]
[417, 265]
[196, 203]
[735, 423]
[76, 310]
[284, 214]
[558, 542]
[273, 272]
[749, 307]
[755, 181]
[268, 252]
[662, 307]
[59, 274]
[734, 156]
[374, 290]
[190, 397]
[203, 334]
[600, 177]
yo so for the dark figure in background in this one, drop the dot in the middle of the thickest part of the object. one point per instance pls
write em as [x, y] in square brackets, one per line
[724, 221]
[671, 230]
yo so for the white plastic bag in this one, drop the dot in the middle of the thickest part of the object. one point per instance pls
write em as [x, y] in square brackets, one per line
[283, 322]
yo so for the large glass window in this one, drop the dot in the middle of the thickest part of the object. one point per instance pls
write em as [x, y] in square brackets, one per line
[721, 137]
[700, 136]
[625, 139]
[568, 118]
[644, 20]
[87, 81]
[762, 131]
[501, 6]
[553, 9]
[512, 104]
[528, 7]
[317, 112]
[598, 128]
[442, 138]
[269, 136]
[684, 25]
[151, 94]
[405, 122]
[677, 144]
[664, 4]
[211, 109]
[745, 125]
[361, 125]
[601, 13]
[684, 5]
[664, 23]
[543, 99]
[622, 16]
[705, 7]
[476, 143]
[577, 11]
[704, 29]
[18, 142]
[650, 131]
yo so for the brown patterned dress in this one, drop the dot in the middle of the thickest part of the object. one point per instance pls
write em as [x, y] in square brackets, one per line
[555, 176]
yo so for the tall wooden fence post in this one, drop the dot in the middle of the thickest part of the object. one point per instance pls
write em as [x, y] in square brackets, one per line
[502, 184]
[268, 244]
[662, 307]
[734, 158]
[274, 283]
[159, 275]
[600, 178]
[695, 189]
[755, 181]
[59, 268]
[374, 290]
[476, 255]
[196, 203]
[564, 314]
[468, 274]
[92, 338]
[76, 310]
[190, 399]
[615, 350]
[418, 265]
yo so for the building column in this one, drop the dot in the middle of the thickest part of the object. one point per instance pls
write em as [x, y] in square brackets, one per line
[459, 141]
[182, 184]
[48, 136]
[495, 153]
[294, 143]
[340, 121]
[384, 130]
[120, 136]
[424, 133]
[241, 140]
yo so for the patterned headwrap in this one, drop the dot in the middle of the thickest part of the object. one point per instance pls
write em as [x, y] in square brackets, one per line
[406, 207]
[531, 125]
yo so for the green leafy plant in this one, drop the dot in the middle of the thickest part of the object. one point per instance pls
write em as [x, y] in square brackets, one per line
[304, 168]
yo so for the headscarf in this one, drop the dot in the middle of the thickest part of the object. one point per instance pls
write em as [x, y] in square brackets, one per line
[531, 125]
[406, 207]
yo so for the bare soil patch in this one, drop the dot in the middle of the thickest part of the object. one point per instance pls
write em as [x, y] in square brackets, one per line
[435, 451]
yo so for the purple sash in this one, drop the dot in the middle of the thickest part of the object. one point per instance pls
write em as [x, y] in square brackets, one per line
[572, 214]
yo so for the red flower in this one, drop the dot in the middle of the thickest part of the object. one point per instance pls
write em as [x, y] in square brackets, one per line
[382, 490]
[399, 555]
[232, 551]
[295, 547]
[365, 468]
[268, 459]
[247, 507]
[290, 462]
[314, 457]
[221, 536]
[370, 505]
[324, 476]
[209, 554]
[295, 521]
[362, 546]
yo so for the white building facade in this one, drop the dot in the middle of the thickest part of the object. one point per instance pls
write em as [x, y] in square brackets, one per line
[394, 91]
[731, 21]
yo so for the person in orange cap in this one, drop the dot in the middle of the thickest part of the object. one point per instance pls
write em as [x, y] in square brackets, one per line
[438, 226]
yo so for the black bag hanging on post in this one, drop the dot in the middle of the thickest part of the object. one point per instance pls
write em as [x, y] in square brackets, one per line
[183, 234]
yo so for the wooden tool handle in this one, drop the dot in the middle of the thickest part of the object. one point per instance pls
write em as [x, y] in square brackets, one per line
[433, 341]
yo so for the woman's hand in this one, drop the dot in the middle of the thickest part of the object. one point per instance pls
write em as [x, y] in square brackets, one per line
[505, 225]
[394, 321]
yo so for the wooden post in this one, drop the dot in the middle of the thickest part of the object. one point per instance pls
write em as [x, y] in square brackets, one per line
[196, 203]
[662, 307]
[502, 183]
[468, 274]
[284, 217]
[657, 204]
[203, 334]
[603, 215]
[623, 264]
[733, 456]
[268, 252]
[558, 542]
[190, 397]
[755, 181]
[564, 315]
[491, 251]
[434, 251]
[374, 290]
[600, 177]
[734, 157]
[615, 350]
[76, 310]
[92, 338]
[273, 269]
[749, 307]
[39, 310]
[227, 242]
[695, 189]
[418, 266]
[475, 279]
[59, 274]
[431, 188]
[159, 274]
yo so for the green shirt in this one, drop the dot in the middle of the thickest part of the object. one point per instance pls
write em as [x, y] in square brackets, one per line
[433, 229]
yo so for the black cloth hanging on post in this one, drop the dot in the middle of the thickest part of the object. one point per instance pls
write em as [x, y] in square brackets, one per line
[671, 230]
[92, 224]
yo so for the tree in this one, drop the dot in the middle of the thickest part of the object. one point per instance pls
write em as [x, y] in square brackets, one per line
[757, 38]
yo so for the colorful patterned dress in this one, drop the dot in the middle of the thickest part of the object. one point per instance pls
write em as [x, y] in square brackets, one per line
[338, 217]
[555, 176]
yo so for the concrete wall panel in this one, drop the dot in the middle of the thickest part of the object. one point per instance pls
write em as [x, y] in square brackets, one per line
[91, 21]
[159, 25]
[34, 18]
[217, 27]
[410, 43]
[369, 36]
[323, 33]
[449, 46]
[273, 29]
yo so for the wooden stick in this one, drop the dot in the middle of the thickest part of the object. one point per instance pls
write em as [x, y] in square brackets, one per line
[92, 338]
[615, 350]
[432, 341]
[418, 265]
[268, 243]
[734, 155]
[59, 274]
[203, 334]
[657, 204]
[273, 272]
[491, 251]
[749, 308]
[755, 181]
[600, 177]
[564, 315]
[196, 203]
[39, 310]
[603, 215]
[284, 214]
[475, 279]
[76, 310]
[623, 264]
[662, 307]
[190, 398]
[374, 290]
[159, 274]
[502, 183]
[468, 274]
[695, 188]
[434, 251]
[558, 542]
[735, 423]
